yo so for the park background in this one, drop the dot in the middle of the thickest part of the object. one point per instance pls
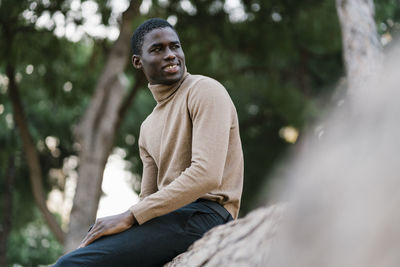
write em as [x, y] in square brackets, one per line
[71, 104]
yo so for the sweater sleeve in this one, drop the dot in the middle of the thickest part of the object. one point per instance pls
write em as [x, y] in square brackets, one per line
[149, 175]
[211, 111]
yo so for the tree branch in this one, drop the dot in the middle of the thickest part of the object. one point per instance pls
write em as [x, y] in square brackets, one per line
[32, 157]
[140, 81]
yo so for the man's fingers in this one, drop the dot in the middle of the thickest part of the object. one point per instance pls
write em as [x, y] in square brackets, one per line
[108, 226]
[90, 237]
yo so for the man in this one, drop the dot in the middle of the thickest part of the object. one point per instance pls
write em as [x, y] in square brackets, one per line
[192, 163]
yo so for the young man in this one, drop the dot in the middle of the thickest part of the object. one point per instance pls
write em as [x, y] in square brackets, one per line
[192, 163]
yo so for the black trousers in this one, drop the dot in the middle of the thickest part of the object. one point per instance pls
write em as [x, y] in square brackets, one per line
[153, 243]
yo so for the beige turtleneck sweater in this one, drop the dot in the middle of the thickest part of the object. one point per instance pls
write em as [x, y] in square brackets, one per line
[190, 148]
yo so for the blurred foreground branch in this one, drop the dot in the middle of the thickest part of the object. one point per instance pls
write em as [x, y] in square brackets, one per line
[328, 183]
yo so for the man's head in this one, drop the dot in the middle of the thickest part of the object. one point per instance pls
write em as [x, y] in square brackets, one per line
[157, 51]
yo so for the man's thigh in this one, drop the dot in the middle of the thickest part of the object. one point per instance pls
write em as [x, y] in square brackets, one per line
[151, 244]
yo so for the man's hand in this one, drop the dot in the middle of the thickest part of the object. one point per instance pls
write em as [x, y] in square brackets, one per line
[108, 226]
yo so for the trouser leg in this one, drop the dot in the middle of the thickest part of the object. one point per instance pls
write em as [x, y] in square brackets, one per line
[152, 244]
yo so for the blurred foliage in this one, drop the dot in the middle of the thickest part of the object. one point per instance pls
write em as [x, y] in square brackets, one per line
[33, 245]
[275, 63]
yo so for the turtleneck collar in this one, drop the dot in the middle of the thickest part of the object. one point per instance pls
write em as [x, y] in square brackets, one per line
[162, 91]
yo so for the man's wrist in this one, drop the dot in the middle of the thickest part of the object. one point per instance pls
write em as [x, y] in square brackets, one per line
[132, 217]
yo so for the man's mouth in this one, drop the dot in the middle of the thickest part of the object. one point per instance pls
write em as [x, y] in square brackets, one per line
[171, 68]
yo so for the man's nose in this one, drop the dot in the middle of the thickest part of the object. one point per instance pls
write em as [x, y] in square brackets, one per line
[169, 54]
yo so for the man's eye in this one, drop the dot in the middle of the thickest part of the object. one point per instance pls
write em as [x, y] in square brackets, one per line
[156, 49]
[176, 46]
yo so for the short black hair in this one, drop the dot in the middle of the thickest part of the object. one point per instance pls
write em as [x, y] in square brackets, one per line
[143, 29]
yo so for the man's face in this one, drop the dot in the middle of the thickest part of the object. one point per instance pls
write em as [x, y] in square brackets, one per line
[162, 59]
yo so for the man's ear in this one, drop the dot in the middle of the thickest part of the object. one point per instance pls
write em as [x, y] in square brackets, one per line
[136, 62]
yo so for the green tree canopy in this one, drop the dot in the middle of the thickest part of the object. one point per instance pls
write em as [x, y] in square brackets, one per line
[276, 61]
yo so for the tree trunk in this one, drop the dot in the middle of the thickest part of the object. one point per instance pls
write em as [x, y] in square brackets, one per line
[32, 157]
[362, 50]
[97, 130]
[5, 226]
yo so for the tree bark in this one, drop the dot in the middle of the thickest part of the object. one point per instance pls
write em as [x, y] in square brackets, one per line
[232, 244]
[362, 50]
[97, 130]
[7, 210]
[32, 157]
